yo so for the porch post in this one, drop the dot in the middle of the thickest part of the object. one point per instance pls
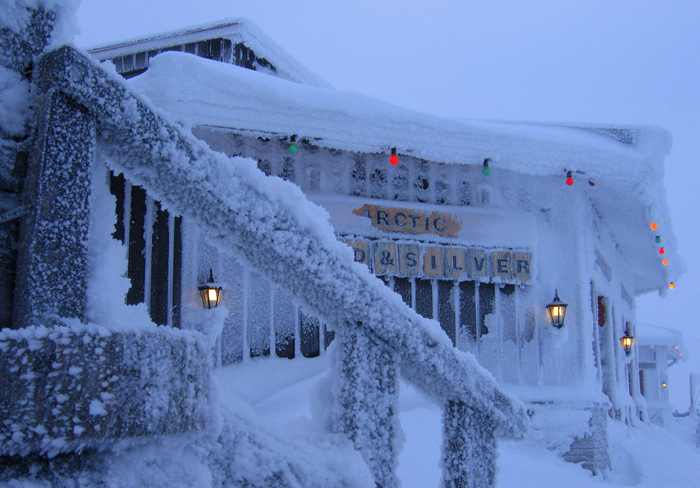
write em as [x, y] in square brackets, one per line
[469, 447]
[366, 401]
[52, 260]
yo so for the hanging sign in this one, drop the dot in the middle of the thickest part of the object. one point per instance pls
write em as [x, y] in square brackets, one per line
[389, 258]
[410, 221]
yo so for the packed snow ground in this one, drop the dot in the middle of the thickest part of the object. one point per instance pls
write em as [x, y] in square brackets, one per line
[284, 393]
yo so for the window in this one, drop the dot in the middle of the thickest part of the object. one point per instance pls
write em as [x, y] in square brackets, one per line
[154, 250]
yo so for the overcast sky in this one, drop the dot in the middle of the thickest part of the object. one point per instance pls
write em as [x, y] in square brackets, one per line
[565, 61]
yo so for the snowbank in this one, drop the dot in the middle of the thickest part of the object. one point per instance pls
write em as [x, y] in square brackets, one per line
[645, 456]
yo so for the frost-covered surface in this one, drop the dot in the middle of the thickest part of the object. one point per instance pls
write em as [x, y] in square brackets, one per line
[365, 392]
[52, 258]
[469, 448]
[78, 386]
[237, 30]
[24, 33]
[272, 225]
[16, 16]
[627, 176]
[14, 101]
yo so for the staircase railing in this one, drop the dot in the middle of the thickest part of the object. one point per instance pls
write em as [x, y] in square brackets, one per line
[270, 224]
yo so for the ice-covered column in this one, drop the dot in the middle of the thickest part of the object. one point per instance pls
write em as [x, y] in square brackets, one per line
[366, 396]
[469, 447]
[24, 33]
[52, 260]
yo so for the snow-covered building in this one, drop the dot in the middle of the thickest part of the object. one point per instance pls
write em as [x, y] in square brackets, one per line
[658, 348]
[475, 226]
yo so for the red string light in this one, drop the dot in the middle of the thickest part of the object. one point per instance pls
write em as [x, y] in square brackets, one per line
[569, 178]
[394, 159]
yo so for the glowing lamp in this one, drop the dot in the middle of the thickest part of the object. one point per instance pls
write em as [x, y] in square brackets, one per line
[557, 311]
[627, 342]
[654, 226]
[658, 239]
[394, 159]
[293, 145]
[672, 286]
[487, 170]
[210, 292]
[662, 251]
[664, 385]
[569, 178]
[664, 262]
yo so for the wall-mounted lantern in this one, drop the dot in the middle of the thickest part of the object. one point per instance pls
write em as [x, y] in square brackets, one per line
[210, 292]
[627, 342]
[557, 311]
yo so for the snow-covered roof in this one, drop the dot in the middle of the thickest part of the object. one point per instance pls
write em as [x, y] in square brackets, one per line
[661, 337]
[237, 30]
[622, 168]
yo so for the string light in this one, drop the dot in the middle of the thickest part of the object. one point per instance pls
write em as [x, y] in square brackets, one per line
[662, 251]
[293, 146]
[658, 239]
[664, 262]
[487, 170]
[672, 285]
[569, 178]
[654, 226]
[394, 159]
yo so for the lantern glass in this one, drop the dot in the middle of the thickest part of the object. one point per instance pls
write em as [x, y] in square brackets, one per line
[557, 311]
[213, 294]
[627, 342]
[210, 292]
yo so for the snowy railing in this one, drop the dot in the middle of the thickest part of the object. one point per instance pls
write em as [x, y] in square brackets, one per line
[270, 223]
